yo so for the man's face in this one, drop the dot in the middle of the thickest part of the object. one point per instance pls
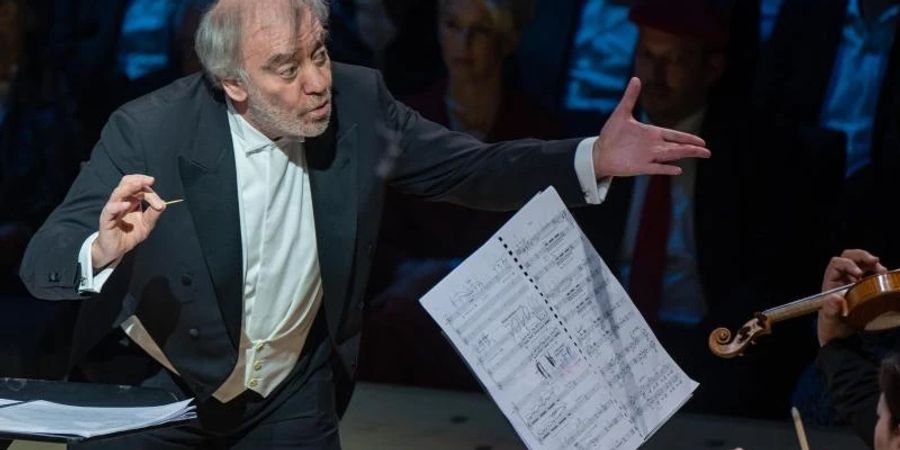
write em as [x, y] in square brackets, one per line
[676, 73]
[287, 91]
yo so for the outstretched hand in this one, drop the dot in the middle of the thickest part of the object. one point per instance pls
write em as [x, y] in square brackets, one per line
[627, 147]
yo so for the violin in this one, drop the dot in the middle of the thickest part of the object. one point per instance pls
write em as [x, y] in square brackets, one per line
[873, 303]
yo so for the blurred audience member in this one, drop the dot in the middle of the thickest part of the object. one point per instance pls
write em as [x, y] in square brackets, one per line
[601, 58]
[575, 59]
[768, 15]
[114, 51]
[692, 246]
[679, 57]
[577, 55]
[829, 81]
[37, 135]
[395, 36]
[824, 74]
[38, 160]
[421, 242]
[477, 38]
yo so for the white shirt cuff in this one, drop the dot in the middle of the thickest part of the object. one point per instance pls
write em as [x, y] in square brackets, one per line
[594, 190]
[90, 282]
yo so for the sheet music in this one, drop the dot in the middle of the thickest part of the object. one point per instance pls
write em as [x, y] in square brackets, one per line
[40, 417]
[555, 339]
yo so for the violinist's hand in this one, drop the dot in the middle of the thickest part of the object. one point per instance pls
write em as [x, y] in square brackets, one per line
[848, 268]
[831, 324]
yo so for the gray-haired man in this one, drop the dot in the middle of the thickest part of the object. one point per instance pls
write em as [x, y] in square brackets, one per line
[249, 295]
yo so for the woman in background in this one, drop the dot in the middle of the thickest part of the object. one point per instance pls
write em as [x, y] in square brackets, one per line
[421, 242]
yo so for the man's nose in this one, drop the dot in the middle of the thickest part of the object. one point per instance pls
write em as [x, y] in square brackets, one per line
[316, 80]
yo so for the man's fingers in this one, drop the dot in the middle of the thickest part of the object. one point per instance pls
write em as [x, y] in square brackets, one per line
[860, 255]
[833, 306]
[153, 199]
[844, 267]
[113, 210]
[673, 152]
[661, 169]
[151, 216]
[131, 185]
[629, 99]
[681, 138]
[865, 260]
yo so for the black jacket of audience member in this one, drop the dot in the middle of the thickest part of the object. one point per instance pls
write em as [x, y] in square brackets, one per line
[792, 87]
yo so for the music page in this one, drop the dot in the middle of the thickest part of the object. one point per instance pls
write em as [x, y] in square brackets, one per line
[554, 338]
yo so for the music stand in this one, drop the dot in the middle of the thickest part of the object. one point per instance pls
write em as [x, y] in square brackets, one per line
[81, 394]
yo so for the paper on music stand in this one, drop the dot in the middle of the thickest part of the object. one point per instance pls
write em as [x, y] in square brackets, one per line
[44, 418]
[554, 338]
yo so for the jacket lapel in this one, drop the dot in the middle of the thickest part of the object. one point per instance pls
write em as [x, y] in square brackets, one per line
[210, 183]
[332, 161]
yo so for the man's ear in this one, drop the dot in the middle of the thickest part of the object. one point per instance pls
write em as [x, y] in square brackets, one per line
[235, 90]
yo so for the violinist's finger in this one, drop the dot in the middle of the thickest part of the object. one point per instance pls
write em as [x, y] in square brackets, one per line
[840, 271]
[864, 259]
[880, 269]
[832, 306]
[831, 325]
[845, 311]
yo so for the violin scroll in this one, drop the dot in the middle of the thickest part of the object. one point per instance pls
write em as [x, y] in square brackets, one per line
[724, 345]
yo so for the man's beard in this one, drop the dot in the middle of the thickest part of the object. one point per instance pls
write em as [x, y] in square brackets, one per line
[284, 123]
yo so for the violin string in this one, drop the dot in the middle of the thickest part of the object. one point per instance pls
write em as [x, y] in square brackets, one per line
[803, 301]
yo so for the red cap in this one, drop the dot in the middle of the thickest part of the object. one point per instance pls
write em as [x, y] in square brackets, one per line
[701, 19]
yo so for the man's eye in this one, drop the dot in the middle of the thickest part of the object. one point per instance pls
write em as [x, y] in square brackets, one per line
[320, 56]
[288, 72]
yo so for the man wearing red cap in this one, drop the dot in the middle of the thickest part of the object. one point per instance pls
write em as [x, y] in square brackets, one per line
[678, 57]
[692, 243]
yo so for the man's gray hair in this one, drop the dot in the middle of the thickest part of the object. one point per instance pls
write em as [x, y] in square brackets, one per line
[218, 39]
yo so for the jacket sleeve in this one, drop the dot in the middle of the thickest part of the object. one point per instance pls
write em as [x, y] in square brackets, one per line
[851, 376]
[50, 266]
[434, 163]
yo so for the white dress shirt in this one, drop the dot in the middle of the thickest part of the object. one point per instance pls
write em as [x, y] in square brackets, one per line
[282, 284]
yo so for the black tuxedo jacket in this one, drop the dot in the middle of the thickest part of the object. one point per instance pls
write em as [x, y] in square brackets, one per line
[185, 281]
